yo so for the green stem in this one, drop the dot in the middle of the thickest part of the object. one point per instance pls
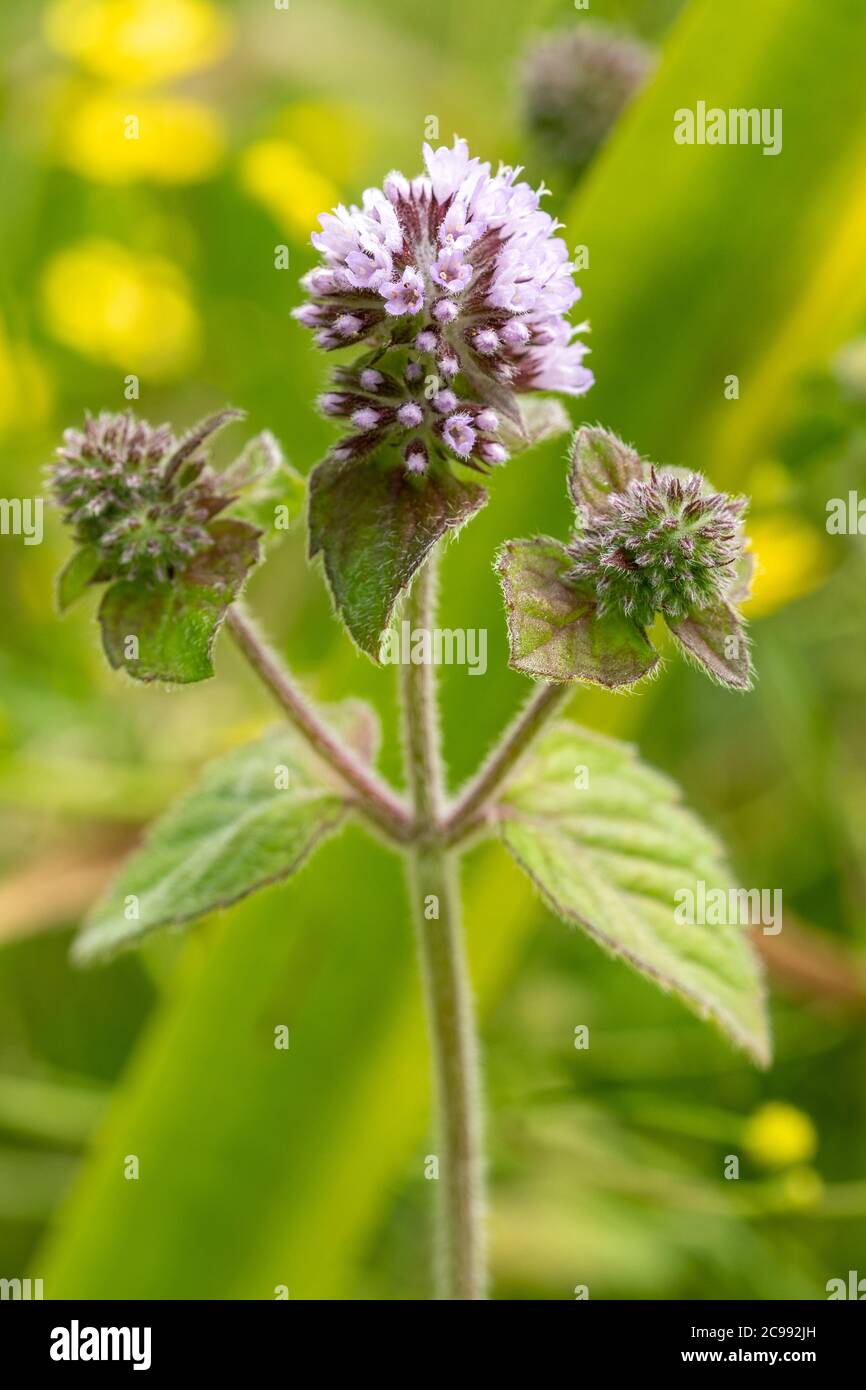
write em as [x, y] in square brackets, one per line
[435, 894]
[469, 809]
[372, 796]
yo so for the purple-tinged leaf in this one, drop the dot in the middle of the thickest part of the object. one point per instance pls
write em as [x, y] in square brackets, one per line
[600, 465]
[375, 525]
[166, 631]
[716, 638]
[554, 629]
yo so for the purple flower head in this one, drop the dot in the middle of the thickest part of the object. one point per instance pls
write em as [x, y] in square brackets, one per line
[139, 498]
[668, 544]
[458, 286]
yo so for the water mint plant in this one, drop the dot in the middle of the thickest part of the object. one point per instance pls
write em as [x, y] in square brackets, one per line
[457, 280]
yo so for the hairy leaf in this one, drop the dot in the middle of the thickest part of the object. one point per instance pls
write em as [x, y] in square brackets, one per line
[610, 847]
[600, 464]
[554, 628]
[166, 631]
[305, 1148]
[253, 818]
[79, 571]
[741, 589]
[375, 524]
[716, 638]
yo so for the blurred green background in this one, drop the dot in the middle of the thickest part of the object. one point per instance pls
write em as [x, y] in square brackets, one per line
[261, 1168]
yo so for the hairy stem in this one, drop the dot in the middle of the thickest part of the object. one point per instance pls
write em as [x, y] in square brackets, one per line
[435, 893]
[470, 805]
[372, 796]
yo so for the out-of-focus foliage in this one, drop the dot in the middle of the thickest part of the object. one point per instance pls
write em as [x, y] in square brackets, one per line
[165, 265]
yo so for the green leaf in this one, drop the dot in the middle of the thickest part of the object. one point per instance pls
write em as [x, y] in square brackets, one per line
[716, 638]
[166, 631]
[608, 844]
[541, 418]
[253, 818]
[76, 574]
[600, 464]
[375, 525]
[554, 629]
[305, 1148]
[272, 491]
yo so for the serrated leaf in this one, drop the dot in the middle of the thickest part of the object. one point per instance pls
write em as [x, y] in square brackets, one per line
[76, 574]
[554, 628]
[253, 819]
[166, 631]
[375, 524]
[600, 465]
[609, 845]
[715, 637]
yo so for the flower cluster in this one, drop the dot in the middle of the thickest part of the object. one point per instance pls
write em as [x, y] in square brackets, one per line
[459, 286]
[666, 545]
[138, 494]
[648, 541]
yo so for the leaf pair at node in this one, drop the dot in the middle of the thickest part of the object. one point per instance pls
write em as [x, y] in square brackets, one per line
[608, 854]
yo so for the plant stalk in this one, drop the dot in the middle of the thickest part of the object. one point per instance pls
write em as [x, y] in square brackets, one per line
[373, 796]
[469, 807]
[435, 893]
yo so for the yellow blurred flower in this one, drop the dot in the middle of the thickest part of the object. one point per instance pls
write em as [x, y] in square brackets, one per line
[130, 309]
[116, 138]
[25, 390]
[779, 1134]
[275, 173]
[138, 41]
[791, 560]
[801, 1189]
[769, 484]
[849, 368]
[335, 138]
